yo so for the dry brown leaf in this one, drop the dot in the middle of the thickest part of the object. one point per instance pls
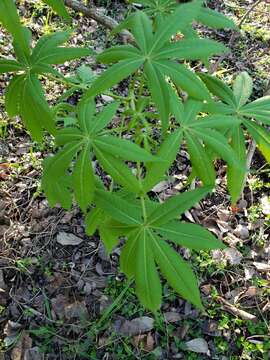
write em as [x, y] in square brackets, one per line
[150, 343]
[233, 256]
[76, 310]
[198, 345]
[242, 231]
[172, 317]
[262, 267]
[24, 344]
[144, 341]
[136, 326]
[251, 291]
[206, 289]
[68, 239]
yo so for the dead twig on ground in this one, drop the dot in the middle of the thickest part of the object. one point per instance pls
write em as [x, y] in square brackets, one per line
[235, 311]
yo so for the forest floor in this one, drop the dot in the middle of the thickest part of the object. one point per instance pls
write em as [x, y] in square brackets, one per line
[71, 301]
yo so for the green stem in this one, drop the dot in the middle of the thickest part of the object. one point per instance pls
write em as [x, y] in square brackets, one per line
[124, 99]
[140, 91]
[142, 195]
[143, 208]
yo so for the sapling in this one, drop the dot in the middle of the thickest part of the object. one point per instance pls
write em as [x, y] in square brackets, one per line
[109, 160]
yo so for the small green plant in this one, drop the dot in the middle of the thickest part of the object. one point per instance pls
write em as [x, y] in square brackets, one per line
[23, 264]
[119, 139]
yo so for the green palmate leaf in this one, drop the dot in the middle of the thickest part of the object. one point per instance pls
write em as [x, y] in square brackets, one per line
[219, 108]
[118, 208]
[122, 148]
[236, 175]
[83, 179]
[34, 99]
[46, 69]
[59, 163]
[99, 184]
[129, 253]
[142, 30]
[261, 136]
[59, 7]
[219, 89]
[177, 107]
[178, 21]
[108, 237]
[159, 91]
[10, 66]
[191, 110]
[92, 220]
[117, 53]
[60, 55]
[11, 21]
[113, 75]
[118, 170]
[117, 228]
[103, 118]
[176, 271]
[215, 19]
[219, 144]
[216, 122]
[63, 194]
[34, 109]
[86, 110]
[191, 236]
[167, 152]
[47, 50]
[21, 55]
[110, 232]
[13, 96]
[59, 192]
[242, 88]
[258, 109]
[184, 78]
[67, 135]
[148, 287]
[176, 206]
[191, 49]
[48, 43]
[201, 162]
[190, 32]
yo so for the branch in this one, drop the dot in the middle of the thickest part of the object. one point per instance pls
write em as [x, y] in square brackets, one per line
[95, 14]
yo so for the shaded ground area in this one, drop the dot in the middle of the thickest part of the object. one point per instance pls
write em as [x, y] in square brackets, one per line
[62, 297]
